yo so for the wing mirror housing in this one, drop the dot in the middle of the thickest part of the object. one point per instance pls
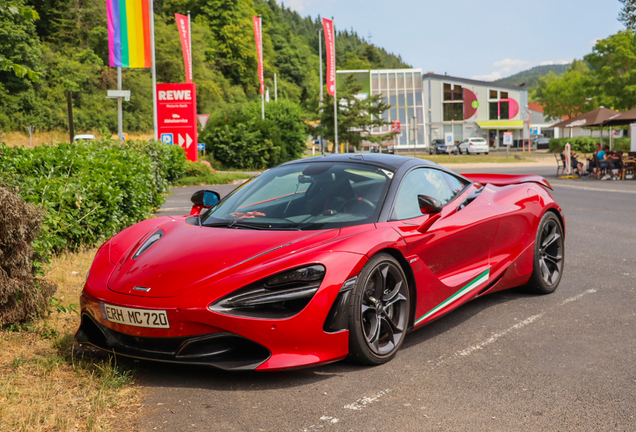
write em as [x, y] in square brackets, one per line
[203, 199]
[429, 205]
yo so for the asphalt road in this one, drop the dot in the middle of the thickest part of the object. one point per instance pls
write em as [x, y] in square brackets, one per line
[505, 362]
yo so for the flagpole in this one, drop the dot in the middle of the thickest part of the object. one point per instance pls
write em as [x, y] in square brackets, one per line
[260, 28]
[335, 87]
[322, 148]
[190, 44]
[153, 68]
[120, 115]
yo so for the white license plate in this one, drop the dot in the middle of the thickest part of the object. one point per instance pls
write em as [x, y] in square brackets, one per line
[135, 317]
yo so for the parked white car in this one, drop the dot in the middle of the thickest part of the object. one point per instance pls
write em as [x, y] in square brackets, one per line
[84, 137]
[473, 145]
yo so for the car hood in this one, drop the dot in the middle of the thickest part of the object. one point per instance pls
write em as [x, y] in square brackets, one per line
[189, 256]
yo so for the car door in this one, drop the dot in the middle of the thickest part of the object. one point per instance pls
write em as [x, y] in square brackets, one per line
[452, 254]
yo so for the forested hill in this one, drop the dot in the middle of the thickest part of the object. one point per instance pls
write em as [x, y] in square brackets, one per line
[531, 76]
[69, 45]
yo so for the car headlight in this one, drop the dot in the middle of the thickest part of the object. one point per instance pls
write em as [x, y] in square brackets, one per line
[280, 296]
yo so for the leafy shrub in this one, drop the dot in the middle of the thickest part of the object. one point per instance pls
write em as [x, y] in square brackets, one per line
[239, 147]
[90, 190]
[196, 169]
[238, 137]
[587, 144]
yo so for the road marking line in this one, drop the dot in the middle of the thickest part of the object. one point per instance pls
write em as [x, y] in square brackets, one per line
[523, 323]
[496, 336]
[576, 297]
[592, 189]
[364, 401]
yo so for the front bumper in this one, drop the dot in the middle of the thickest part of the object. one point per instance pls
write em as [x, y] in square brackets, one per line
[222, 350]
[200, 336]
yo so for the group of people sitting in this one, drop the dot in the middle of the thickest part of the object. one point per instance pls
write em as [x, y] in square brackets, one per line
[605, 159]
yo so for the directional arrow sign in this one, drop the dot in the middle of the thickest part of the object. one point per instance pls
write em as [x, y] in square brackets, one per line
[188, 140]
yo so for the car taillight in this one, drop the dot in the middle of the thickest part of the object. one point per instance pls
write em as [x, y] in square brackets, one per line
[470, 143]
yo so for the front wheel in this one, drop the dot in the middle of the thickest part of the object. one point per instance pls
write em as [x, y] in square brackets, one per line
[378, 311]
[549, 254]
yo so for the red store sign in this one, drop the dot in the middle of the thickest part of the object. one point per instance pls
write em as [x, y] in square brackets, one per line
[177, 117]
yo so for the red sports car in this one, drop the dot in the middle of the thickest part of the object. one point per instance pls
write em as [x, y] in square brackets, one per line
[318, 260]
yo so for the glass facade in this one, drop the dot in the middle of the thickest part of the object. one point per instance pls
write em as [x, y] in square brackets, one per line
[402, 90]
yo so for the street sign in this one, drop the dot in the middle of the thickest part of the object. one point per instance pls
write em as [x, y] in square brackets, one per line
[177, 116]
[448, 138]
[200, 146]
[396, 126]
[203, 119]
[507, 138]
[167, 138]
[113, 94]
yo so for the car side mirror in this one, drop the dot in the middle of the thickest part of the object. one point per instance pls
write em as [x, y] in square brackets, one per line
[203, 199]
[429, 205]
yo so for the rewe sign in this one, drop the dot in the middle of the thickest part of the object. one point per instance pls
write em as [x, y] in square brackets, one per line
[177, 116]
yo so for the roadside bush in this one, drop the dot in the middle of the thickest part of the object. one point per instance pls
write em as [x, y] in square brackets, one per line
[579, 144]
[588, 144]
[238, 137]
[196, 169]
[90, 190]
[22, 295]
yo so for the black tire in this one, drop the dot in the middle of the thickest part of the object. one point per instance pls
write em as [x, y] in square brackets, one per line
[549, 256]
[377, 327]
[459, 150]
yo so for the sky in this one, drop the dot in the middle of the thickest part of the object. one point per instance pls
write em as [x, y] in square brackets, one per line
[479, 39]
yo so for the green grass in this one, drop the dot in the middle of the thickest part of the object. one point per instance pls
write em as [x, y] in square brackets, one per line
[211, 179]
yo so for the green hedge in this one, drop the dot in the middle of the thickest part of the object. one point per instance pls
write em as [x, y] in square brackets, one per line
[587, 144]
[90, 190]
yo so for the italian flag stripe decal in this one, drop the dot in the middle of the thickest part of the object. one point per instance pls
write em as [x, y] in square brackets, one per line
[483, 277]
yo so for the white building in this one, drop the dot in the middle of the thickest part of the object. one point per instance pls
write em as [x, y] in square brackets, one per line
[469, 108]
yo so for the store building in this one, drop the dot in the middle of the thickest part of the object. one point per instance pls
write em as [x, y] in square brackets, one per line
[469, 108]
[402, 90]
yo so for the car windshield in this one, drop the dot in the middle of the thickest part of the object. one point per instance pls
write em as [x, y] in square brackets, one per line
[304, 196]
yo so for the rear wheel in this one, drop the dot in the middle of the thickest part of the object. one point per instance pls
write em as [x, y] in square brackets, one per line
[378, 311]
[549, 253]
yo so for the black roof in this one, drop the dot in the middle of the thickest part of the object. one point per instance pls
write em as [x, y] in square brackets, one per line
[389, 161]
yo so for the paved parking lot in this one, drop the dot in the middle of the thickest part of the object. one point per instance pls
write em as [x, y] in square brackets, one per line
[505, 362]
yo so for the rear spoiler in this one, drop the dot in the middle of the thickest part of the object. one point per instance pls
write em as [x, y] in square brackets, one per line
[506, 179]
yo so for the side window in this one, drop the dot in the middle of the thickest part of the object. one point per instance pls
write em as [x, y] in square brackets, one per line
[456, 185]
[422, 181]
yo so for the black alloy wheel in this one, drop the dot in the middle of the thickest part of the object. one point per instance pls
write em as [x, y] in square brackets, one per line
[379, 311]
[549, 256]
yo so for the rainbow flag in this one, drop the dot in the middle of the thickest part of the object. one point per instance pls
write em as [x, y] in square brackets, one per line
[128, 33]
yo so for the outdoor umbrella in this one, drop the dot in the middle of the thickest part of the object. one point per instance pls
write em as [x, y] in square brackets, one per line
[595, 117]
[621, 119]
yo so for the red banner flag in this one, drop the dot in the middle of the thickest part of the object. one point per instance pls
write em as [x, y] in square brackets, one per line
[258, 33]
[184, 31]
[330, 46]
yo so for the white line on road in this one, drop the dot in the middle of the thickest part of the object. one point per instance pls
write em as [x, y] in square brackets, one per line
[496, 336]
[592, 189]
[367, 400]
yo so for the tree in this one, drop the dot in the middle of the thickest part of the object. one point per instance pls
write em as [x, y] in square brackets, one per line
[357, 116]
[17, 12]
[613, 62]
[569, 94]
[627, 14]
